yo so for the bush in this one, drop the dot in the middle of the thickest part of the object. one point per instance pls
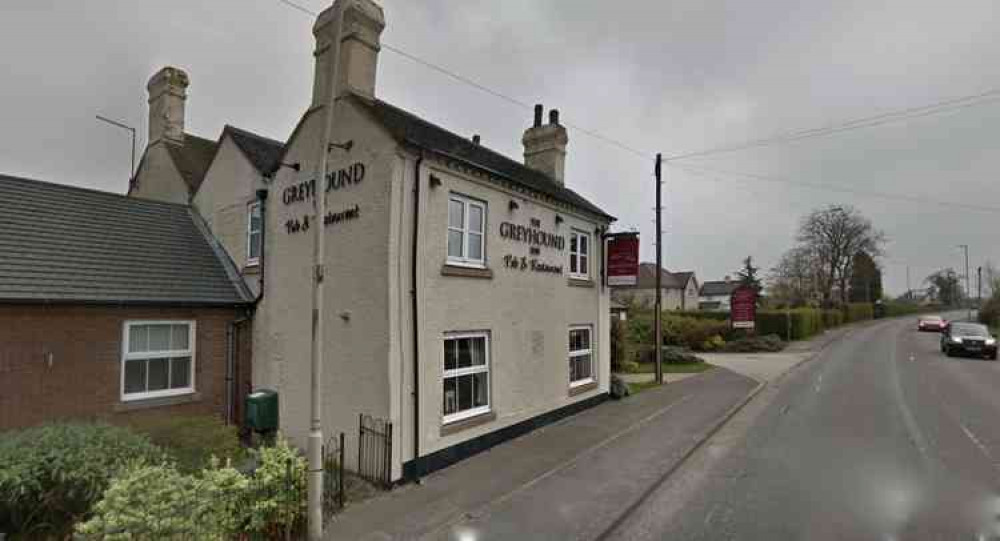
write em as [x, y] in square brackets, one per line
[832, 318]
[691, 332]
[704, 314]
[754, 344]
[193, 440]
[279, 485]
[712, 344]
[629, 367]
[675, 355]
[796, 324]
[52, 475]
[860, 311]
[989, 312]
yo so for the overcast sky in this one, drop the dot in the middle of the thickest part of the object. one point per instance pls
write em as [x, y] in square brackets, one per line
[659, 76]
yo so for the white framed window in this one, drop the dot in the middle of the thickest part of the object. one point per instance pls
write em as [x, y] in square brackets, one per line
[157, 359]
[255, 226]
[579, 254]
[466, 376]
[466, 228]
[581, 355]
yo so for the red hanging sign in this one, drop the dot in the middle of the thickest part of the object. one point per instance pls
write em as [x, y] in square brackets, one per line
[623, 259]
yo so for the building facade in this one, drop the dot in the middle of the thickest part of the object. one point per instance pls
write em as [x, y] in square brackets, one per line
[678, 290]
[715, 295]
[463, 291]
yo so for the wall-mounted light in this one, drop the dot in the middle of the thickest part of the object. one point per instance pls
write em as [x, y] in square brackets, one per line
[559, 219]
[513, 205]
[435, 181]
[346, 146]
[293, 166]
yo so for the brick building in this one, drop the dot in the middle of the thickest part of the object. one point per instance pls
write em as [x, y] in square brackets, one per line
[113, 307]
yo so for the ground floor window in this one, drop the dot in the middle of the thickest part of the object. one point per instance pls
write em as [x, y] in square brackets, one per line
[581, 355]
[157, 359]
[466, 375]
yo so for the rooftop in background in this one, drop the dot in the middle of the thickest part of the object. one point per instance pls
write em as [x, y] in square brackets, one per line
[668, 280]
[63, 244]
[718, 288]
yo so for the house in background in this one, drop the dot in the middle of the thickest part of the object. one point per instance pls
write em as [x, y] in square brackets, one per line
[715, 294]
[679, 290]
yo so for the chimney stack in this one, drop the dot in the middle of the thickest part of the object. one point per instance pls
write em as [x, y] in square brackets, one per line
[347, 45]
[167, 93]
[545, 146]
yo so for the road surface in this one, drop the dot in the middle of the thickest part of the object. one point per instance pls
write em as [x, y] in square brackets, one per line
[879, 437]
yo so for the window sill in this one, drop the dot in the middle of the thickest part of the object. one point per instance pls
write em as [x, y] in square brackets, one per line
[580, 282]
[141, 404]
[582, 388]
[464, 424]
[466, 272]
[251, 268]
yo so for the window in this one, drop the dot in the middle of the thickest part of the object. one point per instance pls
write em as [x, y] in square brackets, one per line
[579, 255]
[581, 356]
[466, 224]
[254, 229]
[157, 359]
[466, 376]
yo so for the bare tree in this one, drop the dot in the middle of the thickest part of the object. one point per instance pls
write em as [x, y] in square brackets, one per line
[991, 279]
[834, 235]
[793, 280]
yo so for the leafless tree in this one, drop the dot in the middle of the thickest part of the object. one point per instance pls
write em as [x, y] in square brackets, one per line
[991, 279]
[834, 235]
[794, 279]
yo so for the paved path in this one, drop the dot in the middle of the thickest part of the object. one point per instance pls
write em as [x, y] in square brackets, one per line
[880, 437]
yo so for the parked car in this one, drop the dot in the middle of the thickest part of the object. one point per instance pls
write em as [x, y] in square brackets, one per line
[968, 339]
[931, 323]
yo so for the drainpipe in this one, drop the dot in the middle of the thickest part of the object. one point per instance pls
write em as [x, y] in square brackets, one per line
[262, 197]
[414, 260]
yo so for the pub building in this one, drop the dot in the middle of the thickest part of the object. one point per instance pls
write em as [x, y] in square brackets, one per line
[464, 298]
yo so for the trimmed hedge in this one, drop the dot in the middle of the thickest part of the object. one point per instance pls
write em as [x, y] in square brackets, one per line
[795, 324]
[703, 314]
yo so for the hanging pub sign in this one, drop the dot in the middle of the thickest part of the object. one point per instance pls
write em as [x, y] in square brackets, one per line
[623, 259]
[743, 308]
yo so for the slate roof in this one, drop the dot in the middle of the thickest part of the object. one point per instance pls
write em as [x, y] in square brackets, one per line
[718, 288]
[262, 152]
[66, 244]
[192, 158]
[417, 131]
[668, 280]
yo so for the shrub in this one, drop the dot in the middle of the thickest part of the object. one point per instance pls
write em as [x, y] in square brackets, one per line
[704, 314]
[675, 355]
[754, 344]
[52, 475]
[989, 312]
[794, 324]
[278, 489]
[629, 367]
[712, 344]
[192, 440]
[860, 311]
[832, 318]
[691, 332]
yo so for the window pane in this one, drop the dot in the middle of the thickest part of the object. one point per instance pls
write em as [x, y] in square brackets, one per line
[180, 372]
[583, 265]
[450, 396]
[255, 218]
[159, 337]
[158, 374]
[475, 246]
[454, 243]
[450, 354]
[584, 248]
[138, 338]
[585, 339]
[480, 390]
[572, 245]
[456, 214]
[465, 392]
[135, 376]
[254, 252]
[476, 218]
[179, 341]
[583, 370]
[464, 353]
[572, 262]
[478, 351]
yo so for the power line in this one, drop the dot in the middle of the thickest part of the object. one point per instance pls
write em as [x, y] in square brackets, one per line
[898, 115]
[820, 186]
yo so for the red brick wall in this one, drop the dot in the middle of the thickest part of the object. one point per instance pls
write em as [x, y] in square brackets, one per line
[83, 381]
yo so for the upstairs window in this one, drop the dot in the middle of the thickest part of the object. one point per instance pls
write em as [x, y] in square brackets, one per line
[157, 359]
[255, 225]
[579, 255]
[466, 225]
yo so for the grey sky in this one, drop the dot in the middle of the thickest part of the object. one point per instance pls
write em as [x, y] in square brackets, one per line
[667, 76]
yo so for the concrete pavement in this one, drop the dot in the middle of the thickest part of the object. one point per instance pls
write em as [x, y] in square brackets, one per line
[881, 437]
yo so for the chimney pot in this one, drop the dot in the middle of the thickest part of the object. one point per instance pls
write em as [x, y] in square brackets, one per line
[538, 116]
[476, 139]
[545, 146]
[554, 116]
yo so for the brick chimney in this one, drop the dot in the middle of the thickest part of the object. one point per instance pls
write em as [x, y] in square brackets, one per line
[167, 92]
[347, 45]
[545, 146]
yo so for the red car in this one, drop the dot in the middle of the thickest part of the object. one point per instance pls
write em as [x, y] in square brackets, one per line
[931, 323]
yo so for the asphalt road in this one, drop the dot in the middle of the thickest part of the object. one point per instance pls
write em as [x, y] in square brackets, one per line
[879, 437]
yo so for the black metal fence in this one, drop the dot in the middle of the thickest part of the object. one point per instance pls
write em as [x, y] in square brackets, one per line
[333, 474]
[375, 450]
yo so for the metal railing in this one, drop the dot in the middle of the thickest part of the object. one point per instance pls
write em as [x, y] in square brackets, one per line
[375, 450]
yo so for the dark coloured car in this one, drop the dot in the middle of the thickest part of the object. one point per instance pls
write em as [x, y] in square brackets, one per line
[931, 323]
[970, 339]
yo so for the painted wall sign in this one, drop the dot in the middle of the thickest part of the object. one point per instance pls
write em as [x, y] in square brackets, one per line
[335, 180]
[296, 225]
[623, 259]
[532, 235]
[524, 263]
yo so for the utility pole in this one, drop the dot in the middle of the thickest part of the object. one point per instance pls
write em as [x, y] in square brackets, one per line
[968, 290]
[979, 287]
[122, 125]
[659, 271]
[909, 292]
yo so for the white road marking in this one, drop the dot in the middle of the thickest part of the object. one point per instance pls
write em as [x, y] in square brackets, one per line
[708, 518]
[975, 440]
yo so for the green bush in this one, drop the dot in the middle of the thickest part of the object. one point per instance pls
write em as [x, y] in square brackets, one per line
[712, 344]
[704, 314]
[279, 502]
[796, 324]
[754, 344]
[676, 355]
[832, 318]
[989, 312]
[691, 332]
[193, 440]
[52, 475]
[860, 311]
